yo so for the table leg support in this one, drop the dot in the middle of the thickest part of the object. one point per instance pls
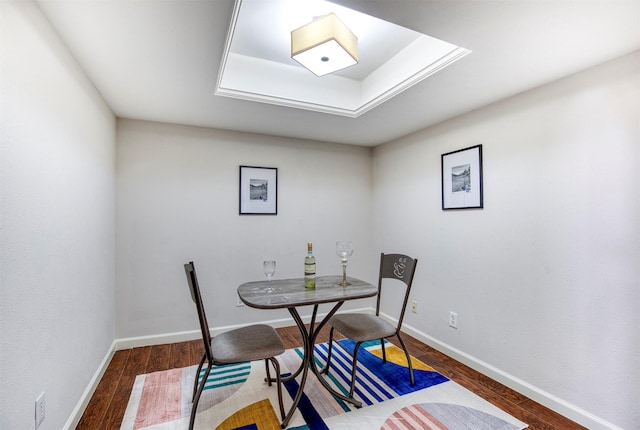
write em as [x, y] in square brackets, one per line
[314, 368]
[304, 367]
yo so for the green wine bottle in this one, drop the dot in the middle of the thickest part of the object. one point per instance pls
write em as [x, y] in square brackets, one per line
[310, 268]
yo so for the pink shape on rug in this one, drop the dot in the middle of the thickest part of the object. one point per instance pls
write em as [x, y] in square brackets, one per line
[412, 418]
[160, 398]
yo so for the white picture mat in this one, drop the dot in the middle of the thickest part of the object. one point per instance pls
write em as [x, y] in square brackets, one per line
[267, 205]
[471, 198]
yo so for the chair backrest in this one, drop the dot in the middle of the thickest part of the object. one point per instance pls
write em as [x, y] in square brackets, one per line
[192, 279]
[400, 267]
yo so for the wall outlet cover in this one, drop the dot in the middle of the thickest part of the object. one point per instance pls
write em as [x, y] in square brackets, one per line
[40, 409]
[453, 320]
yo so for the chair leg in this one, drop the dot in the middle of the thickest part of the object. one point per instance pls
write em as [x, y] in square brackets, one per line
[197, 378]
[266, 365]
[384, 352]
[276, 366]
[326, 368]
[196, 399]
[353, 371]
[406, 353]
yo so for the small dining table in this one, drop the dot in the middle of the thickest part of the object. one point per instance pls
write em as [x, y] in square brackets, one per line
[292, 294]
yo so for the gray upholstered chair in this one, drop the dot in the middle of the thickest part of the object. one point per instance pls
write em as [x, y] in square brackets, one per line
[251, 343]
[365, 327]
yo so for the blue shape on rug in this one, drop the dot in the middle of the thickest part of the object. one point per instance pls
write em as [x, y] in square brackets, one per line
[394, 375]
[309, 413]
[247, 427]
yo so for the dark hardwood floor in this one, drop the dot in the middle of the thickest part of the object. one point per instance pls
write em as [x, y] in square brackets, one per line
[107, 406]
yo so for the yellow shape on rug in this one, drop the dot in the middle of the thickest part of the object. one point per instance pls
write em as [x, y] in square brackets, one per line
[260, 413]
[396, 355]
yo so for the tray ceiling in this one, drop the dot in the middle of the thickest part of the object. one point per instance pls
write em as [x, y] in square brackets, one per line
[160, 60]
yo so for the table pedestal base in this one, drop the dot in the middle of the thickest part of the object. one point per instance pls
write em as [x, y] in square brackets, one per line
[309, 340]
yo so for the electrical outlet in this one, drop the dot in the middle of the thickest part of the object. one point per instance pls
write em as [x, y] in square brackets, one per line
[414, 307]
[40, 410]
[453, 320]
[239, 302]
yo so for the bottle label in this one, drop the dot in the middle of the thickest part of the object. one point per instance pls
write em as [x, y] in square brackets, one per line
[310, 275]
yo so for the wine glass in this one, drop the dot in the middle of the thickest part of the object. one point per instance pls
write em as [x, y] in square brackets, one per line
[344, 249]
[269, 267]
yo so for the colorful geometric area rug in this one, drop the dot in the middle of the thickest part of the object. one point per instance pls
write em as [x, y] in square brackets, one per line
[236, 397]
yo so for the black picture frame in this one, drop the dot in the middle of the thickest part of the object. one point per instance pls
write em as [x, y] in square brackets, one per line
[462, 186]
[258, 190]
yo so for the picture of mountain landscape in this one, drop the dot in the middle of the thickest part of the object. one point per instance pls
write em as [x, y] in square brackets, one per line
[461, 178]
[258, 189]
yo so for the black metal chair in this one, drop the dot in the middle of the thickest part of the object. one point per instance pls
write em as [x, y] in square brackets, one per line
[365, 327]
[251, 343]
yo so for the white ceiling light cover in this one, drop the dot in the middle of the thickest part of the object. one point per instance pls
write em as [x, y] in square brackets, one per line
[325, 45]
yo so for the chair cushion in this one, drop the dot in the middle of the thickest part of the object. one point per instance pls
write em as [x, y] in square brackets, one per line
[255, 342]
[362, 327]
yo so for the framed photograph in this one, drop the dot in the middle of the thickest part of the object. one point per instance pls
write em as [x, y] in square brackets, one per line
[462, 179]
[258, 190]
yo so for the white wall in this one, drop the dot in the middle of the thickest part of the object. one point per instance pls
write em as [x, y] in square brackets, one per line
[546, 278]
[177, 191]
[57, 225]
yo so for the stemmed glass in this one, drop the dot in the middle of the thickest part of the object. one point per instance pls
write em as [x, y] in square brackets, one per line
[344, 249]
[269, 270]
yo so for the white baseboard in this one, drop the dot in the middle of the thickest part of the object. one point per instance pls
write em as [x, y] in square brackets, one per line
[76, 414]
[534, 393]
[554, 403]
[133, 342]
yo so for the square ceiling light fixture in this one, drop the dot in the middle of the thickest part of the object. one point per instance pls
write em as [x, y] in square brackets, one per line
[324, 45]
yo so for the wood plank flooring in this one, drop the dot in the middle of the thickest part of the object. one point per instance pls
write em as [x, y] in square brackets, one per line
[107, 406]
